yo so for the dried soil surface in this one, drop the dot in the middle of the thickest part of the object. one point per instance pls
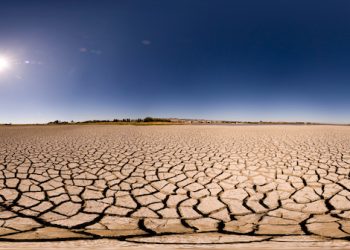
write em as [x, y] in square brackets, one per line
[184, 186]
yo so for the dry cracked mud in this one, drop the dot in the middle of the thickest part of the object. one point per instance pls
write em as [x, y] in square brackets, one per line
[175, 184]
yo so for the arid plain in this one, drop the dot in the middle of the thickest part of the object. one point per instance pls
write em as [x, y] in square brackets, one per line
[186, 185]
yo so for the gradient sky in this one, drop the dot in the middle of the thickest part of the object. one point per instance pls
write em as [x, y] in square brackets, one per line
[282, 60]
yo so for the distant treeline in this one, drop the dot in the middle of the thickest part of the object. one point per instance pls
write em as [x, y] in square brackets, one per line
[157, 121]
[126, 120]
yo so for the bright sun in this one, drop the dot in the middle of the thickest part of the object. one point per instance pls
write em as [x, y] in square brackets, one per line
[4, 64]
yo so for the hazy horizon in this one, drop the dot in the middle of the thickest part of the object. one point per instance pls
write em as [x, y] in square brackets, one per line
[120, 119]
[222, 60]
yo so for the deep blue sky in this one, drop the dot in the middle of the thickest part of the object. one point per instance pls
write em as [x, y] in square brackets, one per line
[235, 60]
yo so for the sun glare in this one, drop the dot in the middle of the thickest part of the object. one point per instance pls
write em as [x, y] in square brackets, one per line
[4, 64]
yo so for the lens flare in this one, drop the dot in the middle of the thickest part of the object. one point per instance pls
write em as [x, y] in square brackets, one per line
[4, 64]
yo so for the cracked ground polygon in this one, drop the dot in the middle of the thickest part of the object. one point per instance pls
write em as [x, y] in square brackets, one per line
[144, 183]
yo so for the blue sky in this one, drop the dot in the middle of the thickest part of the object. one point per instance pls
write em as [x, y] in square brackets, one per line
[232, 60]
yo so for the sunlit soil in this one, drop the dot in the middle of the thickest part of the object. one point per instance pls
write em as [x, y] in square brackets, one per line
[176, 184]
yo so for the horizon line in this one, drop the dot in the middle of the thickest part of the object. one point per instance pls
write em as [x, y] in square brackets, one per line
[174, 119]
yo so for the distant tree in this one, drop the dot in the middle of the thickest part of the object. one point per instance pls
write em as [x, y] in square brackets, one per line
[58, 122]
[148, 119]
[151, 119]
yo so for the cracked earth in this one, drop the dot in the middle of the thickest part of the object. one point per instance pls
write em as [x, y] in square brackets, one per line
[175, 184]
